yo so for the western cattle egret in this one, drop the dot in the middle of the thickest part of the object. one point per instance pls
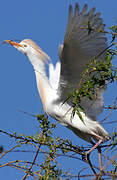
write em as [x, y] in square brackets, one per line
[78, 49]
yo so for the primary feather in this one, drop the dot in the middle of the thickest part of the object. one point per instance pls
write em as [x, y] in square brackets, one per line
[79, 48]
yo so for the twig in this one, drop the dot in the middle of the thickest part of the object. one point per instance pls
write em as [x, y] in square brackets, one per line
[111, 108]
[32, 163]
[100, 31]
[110, 122]
[80, 172]
[90, 164]
[43, 152]
[106, 117]
[29, 114]
[9, 150]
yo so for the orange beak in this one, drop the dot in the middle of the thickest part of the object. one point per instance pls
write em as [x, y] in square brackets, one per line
[12, 43]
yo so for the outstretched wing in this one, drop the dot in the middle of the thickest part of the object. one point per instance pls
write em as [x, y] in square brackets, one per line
[79, 48]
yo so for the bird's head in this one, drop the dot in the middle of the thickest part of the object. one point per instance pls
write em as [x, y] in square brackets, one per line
[23, 46]
[29, 48]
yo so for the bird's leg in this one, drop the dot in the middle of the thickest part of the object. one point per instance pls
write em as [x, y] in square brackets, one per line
[100, 158]
[95, 146]
[99, 152]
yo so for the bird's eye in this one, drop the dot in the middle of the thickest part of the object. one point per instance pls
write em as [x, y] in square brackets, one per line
[25, 45]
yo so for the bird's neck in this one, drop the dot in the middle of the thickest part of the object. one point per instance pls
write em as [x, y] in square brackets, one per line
[37, 63]
[43, 84]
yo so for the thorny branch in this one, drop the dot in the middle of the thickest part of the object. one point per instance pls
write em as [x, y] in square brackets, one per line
[100, 31]
[32, 163]
[75, 149]
[29, 171]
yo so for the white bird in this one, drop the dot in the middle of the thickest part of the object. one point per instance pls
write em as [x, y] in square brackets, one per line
[77, 50]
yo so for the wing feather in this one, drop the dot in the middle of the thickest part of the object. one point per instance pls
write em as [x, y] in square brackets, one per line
[79, 48]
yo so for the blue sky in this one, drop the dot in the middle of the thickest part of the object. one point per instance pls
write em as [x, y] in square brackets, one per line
[44, 22]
